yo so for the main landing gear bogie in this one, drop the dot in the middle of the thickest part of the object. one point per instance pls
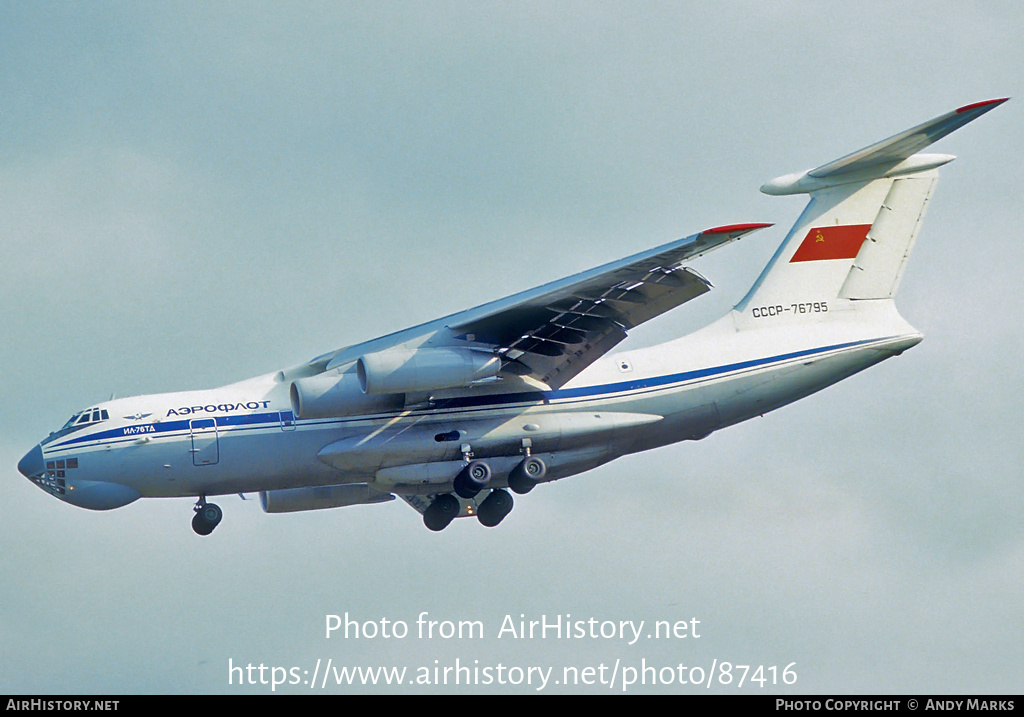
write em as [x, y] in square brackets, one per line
[494, 508]
[526, 475]
[474, 478]
[442, 511]
[207, 517]
[446, 507]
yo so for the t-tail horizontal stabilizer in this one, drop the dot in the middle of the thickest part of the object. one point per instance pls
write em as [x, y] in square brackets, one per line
[890, 157]
[854, 237]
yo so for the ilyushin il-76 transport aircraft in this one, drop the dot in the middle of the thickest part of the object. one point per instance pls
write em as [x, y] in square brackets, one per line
[453, 414]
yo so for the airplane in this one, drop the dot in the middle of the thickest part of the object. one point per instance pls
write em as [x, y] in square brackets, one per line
[453, 414]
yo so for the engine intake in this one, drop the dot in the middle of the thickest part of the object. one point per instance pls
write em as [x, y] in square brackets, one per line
[331, 394]
[404, 370]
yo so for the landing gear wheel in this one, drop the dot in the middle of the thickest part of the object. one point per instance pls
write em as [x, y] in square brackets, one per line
[526, 475]
[207, 517]
[472, 479]
[494, 508]
[441, 512]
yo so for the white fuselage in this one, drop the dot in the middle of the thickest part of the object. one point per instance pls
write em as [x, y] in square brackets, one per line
[244, 437]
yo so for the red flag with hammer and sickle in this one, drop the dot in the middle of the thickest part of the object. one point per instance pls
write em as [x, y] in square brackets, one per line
[834, 242]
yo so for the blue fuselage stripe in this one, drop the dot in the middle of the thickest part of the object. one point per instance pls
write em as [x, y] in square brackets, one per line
[273, 418]
[635, 385]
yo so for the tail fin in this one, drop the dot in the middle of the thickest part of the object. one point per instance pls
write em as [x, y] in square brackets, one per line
[852, 241]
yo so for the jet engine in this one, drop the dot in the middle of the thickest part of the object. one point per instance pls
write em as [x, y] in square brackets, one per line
[291, 500]
[401, 370]
[337, 394]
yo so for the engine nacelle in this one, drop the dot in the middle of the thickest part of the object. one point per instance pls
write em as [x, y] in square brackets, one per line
[332, 394]
[404, 370]
[291, 500]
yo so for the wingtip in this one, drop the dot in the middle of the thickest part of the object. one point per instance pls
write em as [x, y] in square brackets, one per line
[985, 103]
[736, 228]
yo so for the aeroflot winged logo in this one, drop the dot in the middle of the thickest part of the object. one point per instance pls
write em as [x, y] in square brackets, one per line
[838, 242]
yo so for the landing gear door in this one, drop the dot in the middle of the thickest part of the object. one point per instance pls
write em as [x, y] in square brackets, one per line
[205, 445]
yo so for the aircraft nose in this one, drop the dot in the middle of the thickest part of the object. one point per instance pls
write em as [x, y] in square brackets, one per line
[32, 464]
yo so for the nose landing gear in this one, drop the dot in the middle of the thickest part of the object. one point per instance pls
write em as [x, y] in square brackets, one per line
[207, 517]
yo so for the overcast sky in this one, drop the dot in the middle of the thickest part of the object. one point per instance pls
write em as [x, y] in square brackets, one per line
[195, 193]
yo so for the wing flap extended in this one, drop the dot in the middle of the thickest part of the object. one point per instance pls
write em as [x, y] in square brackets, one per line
[564, 327]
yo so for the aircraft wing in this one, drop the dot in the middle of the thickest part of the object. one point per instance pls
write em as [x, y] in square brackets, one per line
[552, 332]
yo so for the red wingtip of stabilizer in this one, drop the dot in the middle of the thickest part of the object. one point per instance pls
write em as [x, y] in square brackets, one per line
[986, 103]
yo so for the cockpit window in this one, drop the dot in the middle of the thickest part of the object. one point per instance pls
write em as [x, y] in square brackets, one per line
[80, 420]
[84, 418]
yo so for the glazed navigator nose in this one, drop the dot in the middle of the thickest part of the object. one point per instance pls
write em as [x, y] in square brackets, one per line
[32, 464]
